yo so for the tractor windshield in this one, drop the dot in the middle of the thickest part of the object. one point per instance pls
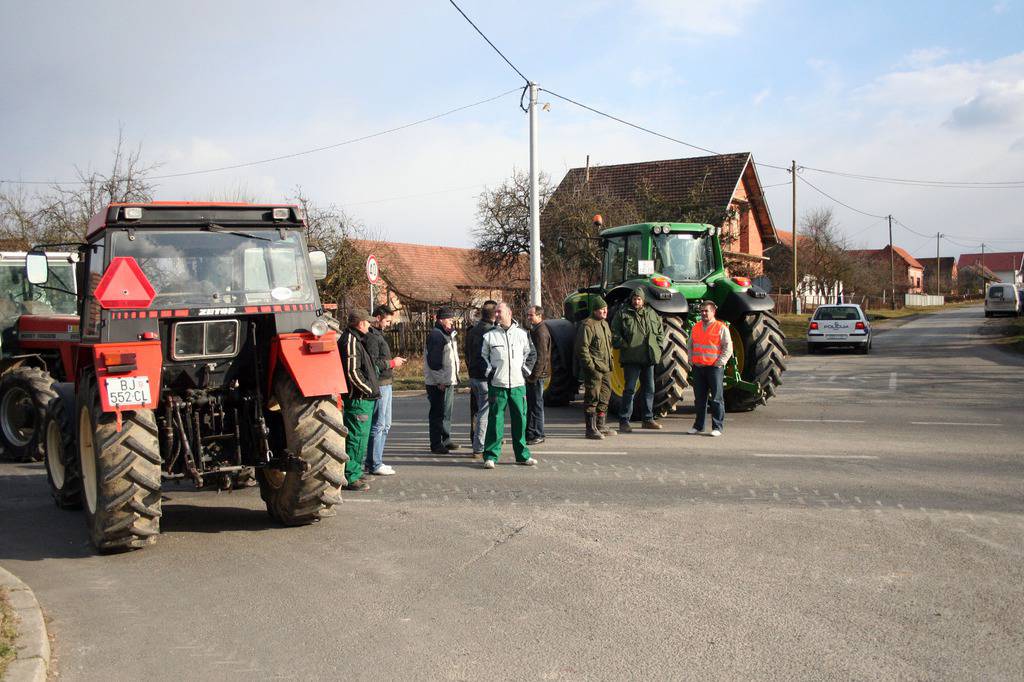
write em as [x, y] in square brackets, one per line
[683, 256]
[212, 268]
[18, 296]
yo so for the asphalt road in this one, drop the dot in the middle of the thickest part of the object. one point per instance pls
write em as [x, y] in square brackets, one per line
[869, 522]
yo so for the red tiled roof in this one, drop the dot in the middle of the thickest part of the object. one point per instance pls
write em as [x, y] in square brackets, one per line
[436, 274]
[714, 177]
[1005, 260]
[900, 252]
[786, 238]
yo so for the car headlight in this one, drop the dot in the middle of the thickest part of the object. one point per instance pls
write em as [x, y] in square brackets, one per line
[319, 327]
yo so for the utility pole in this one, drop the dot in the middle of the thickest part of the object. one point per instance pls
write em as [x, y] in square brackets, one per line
[534, 203]
[796, 300]
[938, 268]
[892, 268]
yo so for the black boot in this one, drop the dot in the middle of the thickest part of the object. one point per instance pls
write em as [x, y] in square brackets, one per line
[603, 428]
[624, 426]
[592, 432]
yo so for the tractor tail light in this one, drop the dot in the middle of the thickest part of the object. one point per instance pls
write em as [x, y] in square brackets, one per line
[814, 325]
[660, 281]
[119, 363]
[318, 347]
[859, 325]
[742, 281]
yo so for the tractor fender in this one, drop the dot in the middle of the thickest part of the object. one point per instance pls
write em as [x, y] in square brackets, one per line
[33, 360]
[740, 303]
[664, 301]
[314, 362]
[127, 360]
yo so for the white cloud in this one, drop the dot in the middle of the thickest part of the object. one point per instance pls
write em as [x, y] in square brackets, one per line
[721, 18]
[925, 56]
[1000, 7]
[997, 103]
[761, 96]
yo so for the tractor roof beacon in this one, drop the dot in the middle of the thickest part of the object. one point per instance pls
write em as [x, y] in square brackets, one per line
[679, 265]
[203, 355]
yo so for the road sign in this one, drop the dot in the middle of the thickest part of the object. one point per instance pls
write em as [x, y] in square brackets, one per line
[372, 269]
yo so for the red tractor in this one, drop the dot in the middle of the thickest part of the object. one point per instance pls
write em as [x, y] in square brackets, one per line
[203, 353]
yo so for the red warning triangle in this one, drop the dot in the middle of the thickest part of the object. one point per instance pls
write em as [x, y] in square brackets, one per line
[124, 285]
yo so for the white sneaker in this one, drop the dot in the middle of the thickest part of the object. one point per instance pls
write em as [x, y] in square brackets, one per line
[528, 463]
[383, 470]
[488, 464]
[716, 433]
[693, 432]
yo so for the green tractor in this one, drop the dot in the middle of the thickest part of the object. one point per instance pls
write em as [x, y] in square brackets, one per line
[680, 265]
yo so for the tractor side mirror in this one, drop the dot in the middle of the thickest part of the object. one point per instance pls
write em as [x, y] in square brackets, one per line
[37, 270]
[318, 264]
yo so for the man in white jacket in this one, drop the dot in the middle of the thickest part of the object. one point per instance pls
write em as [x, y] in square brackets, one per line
[509, 356]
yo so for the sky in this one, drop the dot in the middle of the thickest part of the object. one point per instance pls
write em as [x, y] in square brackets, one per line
[920, 90]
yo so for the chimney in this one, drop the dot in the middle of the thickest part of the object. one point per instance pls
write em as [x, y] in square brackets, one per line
[587, 177]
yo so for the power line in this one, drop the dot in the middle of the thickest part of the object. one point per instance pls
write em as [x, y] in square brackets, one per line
[286, 156]
[631, 125]
[826, 194]
[911, 230]
[950, 184]
[493, 46]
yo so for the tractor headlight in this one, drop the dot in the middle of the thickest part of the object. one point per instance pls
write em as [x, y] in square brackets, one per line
[319, 327]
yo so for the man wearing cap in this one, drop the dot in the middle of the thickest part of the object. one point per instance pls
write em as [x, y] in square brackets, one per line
[710, 347]
[478, 406]
[363, 392]
[639, 335]
[509, 355]
[380, 354]
[593, 366]
[441, 375]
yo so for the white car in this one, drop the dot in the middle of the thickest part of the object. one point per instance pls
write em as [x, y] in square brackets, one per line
[841, 324]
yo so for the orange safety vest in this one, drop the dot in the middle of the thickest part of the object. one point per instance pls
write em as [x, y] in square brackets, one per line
[707, 343]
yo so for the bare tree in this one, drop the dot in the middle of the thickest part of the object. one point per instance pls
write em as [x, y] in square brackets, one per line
[502, 232]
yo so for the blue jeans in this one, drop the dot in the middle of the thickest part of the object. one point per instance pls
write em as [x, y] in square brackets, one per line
[645, 373]
[534, 410]
[379, 428]
[708, 381]
[478, 409]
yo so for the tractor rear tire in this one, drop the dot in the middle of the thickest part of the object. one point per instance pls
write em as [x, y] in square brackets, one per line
[63, 469]
[25, 393]
[315, 433]
[672, 374]
[563, 386]
[120, 472]
[764, 350]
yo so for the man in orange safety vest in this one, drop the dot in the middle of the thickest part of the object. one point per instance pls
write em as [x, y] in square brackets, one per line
[710, 347]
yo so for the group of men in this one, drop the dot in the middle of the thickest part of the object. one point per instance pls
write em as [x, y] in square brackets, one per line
[508, 365]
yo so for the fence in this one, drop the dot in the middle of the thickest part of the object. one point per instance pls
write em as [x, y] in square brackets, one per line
[409, 338]
[923, 300]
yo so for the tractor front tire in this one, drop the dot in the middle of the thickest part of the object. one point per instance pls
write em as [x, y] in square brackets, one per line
[763, 352]
[63, 469]
[25, 393]
[563, 385]
[120, 472]
[672, 373]
[315, 433]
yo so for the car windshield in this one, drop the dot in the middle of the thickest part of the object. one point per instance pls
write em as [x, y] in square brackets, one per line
[212, 268]
[837, 313]
[682, 256]
[18, 296]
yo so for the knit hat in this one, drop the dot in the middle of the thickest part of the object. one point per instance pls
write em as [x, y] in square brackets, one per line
[640, 293]
[357, 315]
[445, 313]
[596, 303]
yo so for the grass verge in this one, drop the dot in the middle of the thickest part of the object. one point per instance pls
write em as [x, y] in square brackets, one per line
[8, 632]
[410, 376]
[1007, 332]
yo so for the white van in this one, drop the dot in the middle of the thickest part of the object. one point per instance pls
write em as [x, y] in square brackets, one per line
[1002, 299]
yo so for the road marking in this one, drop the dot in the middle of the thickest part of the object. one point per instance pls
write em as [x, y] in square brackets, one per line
[826, 421]
[784, 455]
[953, 424]
[827, 388]
[892, 381]
[578, 452]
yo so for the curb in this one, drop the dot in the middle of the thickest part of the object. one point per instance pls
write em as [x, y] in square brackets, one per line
[32, 660]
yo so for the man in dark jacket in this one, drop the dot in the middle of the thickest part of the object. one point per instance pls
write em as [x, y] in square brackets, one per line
[441, 375]
[639, 335]
[380, 356]
[593, 364]
[541, 338]
[478, 402]
[363, 392]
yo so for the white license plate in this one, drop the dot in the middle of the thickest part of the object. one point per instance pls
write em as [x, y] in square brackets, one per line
[835, 336]
[128, 391]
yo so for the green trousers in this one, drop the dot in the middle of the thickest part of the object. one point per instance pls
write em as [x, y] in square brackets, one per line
[515, 400]
[358, 418]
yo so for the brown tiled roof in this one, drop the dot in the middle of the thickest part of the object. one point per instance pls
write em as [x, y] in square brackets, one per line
[901, 253]
[436, 274]
[1005, 260]
[715, 177]
[786, 238]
